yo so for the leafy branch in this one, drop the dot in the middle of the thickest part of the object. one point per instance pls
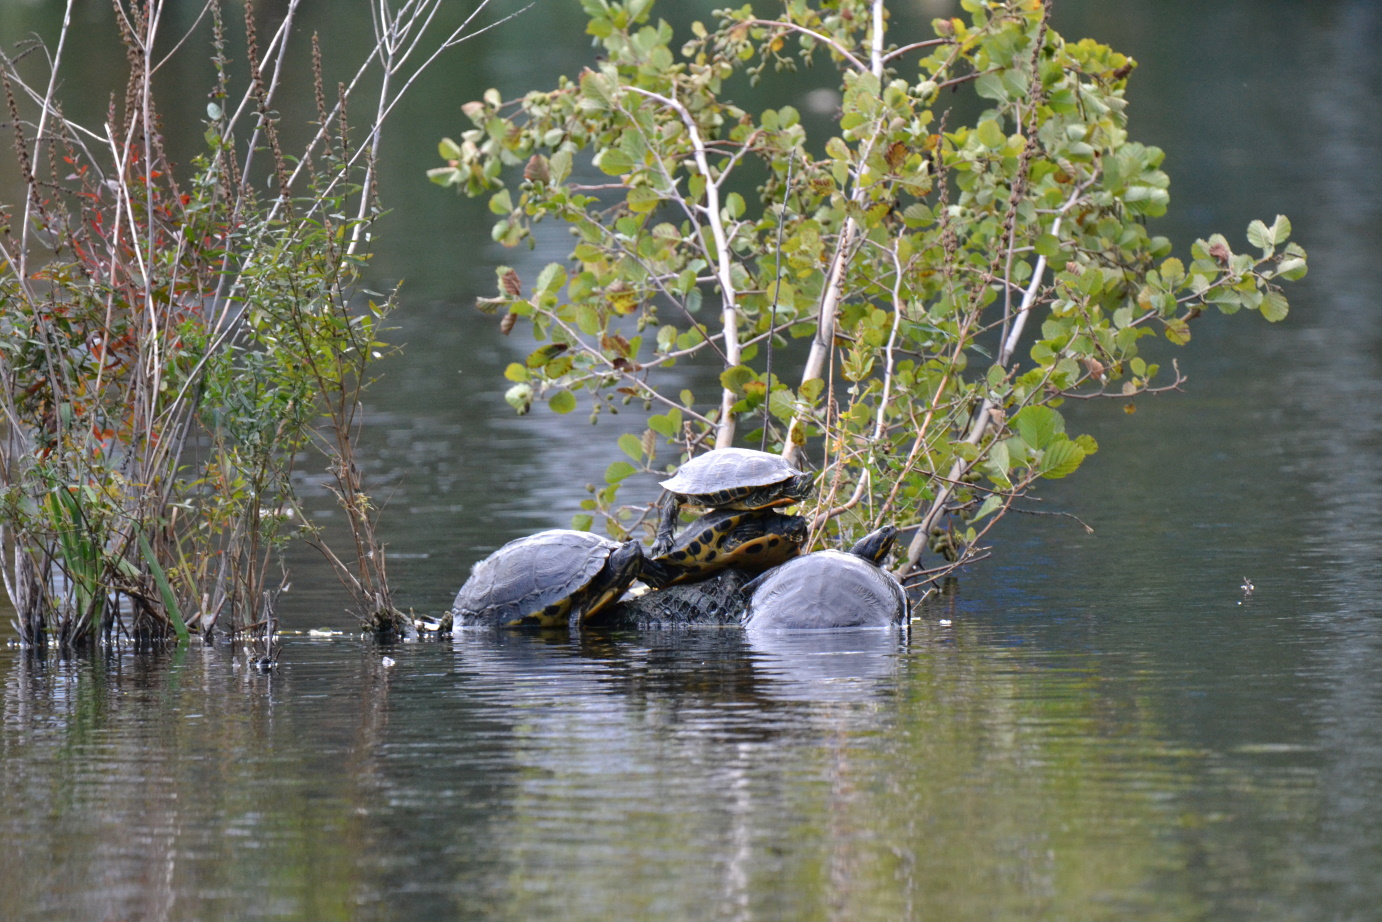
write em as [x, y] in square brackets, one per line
[957, 284]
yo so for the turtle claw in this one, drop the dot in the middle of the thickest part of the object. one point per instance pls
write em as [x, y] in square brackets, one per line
[667, 509]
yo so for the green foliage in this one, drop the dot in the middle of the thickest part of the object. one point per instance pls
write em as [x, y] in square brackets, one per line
[958, 281]
[171, 341]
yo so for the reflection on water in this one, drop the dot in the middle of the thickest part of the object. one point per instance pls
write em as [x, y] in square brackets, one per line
[840, 665]
[972, 771]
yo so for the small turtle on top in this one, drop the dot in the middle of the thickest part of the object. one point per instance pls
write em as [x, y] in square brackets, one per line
[830, 589]
[728, 478]
[550, 579]
[751, 541]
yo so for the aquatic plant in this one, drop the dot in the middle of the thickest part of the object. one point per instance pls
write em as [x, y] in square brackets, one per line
[174, 338]
[958, 277]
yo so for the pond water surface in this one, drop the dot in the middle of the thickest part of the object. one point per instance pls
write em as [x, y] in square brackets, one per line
[1084, 727]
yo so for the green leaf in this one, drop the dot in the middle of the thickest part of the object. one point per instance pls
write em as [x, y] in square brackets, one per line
[1048, 245]
[632, 446]
[663, 426]
[1060, 459]
[1274, 306]
[448, 148]
[613, 161]
[918, 215]
[588, 319]
[1038, 425]
[782, 404]
[666, 338]
[990, 86]
[991, 134]
[990, 505]
[1292, 267]
[582, 522]
[562, 401]
[170, 602]
[734, 204]
[999, 462]
[543, 355]
[500, 203]
[1259, 236]
[734, 379]
[642, 199]
[559, 165]
[1281, 230]
[1087, 444]
[516, 372]
[618, 470]
[552, 277]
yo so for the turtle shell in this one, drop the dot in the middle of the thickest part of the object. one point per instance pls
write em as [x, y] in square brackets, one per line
[726, 475]
[750, 540]
[535, 580]
[827, 589]
[714, 601]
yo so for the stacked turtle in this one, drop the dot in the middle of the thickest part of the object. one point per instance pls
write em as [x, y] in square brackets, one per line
[723, 561]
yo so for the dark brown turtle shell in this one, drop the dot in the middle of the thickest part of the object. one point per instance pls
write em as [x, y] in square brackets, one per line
[738, 478]
[830, 589]
[546, 580]
[716, 601]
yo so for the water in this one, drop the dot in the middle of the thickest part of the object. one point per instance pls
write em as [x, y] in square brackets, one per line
[1108, 726]
[967, 773]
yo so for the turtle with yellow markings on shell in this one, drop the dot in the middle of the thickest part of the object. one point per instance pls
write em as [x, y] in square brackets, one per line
[553, 579]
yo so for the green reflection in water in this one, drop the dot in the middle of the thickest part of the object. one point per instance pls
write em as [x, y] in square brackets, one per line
[958, 777]
[969, 783]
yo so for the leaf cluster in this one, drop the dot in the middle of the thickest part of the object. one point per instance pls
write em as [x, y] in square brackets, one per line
[957, 282]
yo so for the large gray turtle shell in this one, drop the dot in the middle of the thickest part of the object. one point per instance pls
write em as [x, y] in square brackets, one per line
[528, 574]
[729, 469]
[827, 589]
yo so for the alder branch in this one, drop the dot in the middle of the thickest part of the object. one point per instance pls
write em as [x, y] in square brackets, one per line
[724, 430]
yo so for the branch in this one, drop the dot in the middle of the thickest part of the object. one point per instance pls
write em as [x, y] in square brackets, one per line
[915, 46]
[724, 431]
[834, 288]
[823, 39]
[980, 426]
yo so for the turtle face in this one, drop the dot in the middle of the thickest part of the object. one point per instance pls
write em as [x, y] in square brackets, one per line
[876, 545]
[798, 487]
[624, 564]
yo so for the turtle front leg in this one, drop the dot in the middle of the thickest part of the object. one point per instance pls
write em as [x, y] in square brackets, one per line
[667, 509]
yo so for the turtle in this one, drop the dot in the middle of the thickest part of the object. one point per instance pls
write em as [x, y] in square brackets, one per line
[550, 579]
[830, 589]
[714, 601]
[753, 541]
[728, 478]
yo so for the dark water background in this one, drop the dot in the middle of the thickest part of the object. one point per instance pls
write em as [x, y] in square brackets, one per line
[1105, 729]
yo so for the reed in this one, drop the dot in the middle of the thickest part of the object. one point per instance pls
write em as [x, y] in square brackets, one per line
[173, 338]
